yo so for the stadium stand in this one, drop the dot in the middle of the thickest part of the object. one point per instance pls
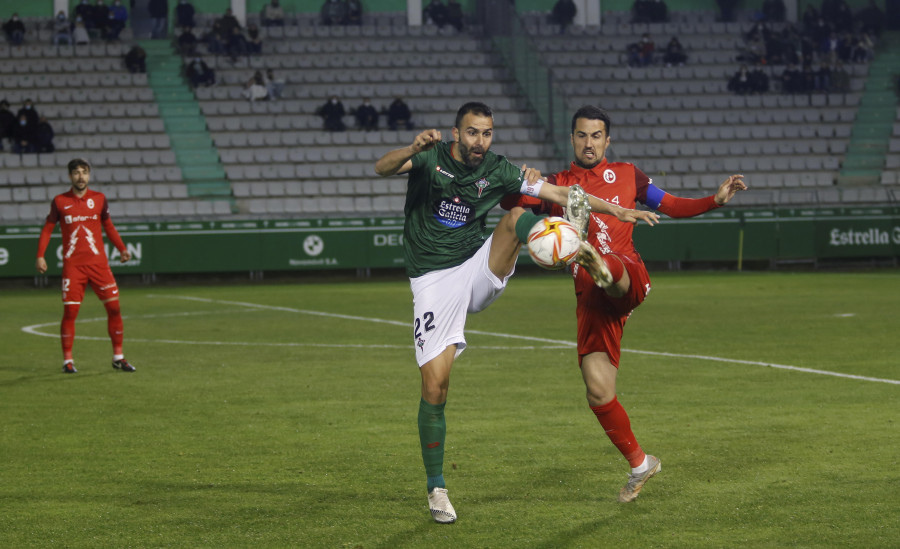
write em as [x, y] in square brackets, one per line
[679, 124]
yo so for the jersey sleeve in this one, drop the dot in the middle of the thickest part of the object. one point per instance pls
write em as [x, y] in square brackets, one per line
[675, 206]
[642, 183]
[111, 233]
[47, 230]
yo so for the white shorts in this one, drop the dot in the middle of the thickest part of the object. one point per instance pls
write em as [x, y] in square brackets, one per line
[442, 299]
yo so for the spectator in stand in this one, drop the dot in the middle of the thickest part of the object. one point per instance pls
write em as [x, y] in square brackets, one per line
[436, 12]
[213, 38]
[99, 20]
[29, 112]
[118, 18]
[332, 113]
[254, 41]
[334, 12]
[237, 44]
[740, 82]
[791, 80]
[563, 14]
[759, 80]
[86, 11]
[398, 113]
[829, 48]
[62, 29]
[840, 78]
[274, 85]
[187, 43]
[80, 33]
[43, 137]
[228, 23]
[15, 30]
[822, 78]
[198, 72]
[773, 11]
[863, 49]
[159, 13]
[7, 122]
[455, 15]
[272, 14]
[366, 116]
[255, 88]
[136, 60]
[640, 54]
[674, 54]
[354, 12]
[184, 15]
[23, 136]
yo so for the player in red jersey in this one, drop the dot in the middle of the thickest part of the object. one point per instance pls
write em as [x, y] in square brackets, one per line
[82, 214]
[610, 277]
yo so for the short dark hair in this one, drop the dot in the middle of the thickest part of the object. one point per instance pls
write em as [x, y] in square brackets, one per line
[472, 107]
[592, 113]
[76, 163]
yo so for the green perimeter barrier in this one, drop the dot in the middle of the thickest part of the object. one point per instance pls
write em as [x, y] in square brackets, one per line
[311, 244]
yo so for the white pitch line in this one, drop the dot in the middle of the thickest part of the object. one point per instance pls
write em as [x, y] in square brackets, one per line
[558, 343]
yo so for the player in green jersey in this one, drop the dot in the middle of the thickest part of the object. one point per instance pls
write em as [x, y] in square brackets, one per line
[453, 269]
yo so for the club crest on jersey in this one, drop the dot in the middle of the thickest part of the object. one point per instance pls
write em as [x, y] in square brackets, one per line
[482, 184]
[609, 176]
[90, 203]
[444, 172]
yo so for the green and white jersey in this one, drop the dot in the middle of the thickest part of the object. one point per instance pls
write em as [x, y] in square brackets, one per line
[446, 206]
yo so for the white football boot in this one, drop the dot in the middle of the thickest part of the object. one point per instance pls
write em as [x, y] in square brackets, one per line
[441, 509]
[578, 210]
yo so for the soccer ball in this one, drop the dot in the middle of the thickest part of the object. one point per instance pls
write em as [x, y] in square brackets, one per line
[553, 243]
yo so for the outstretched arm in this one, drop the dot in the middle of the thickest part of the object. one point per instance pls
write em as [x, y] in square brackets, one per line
[399, 160]
[560, 195]
[675, 206]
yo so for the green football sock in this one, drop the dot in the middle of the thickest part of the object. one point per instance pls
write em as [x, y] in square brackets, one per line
[432, 432]
[525, 223]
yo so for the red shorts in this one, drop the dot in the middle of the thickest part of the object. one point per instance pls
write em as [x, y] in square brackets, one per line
[77, 277]
[601, 319]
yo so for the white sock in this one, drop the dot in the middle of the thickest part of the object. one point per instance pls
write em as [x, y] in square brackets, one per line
[118, 357]
[641, 468]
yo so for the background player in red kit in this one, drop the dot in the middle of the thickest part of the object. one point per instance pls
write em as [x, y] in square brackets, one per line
[611, 279]
[82, 214]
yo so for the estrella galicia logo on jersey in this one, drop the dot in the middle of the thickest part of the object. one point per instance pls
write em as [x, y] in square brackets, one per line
[609, 176]
[453, 212]
[481, 184]
[444, 172]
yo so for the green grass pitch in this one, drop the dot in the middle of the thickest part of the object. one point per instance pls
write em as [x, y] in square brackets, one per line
[284, 415]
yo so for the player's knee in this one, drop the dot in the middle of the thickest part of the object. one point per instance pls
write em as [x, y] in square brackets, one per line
[70, 311]
[112, 307]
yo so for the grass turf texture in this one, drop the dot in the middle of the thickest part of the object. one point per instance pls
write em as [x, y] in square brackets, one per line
[268, 427]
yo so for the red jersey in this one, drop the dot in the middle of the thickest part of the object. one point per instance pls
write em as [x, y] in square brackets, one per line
[81, 221]
[619, 183]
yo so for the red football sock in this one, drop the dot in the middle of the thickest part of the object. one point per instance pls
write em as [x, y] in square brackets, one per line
[114, 325]
[67, 328]
[615, 422]
[615, 266]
